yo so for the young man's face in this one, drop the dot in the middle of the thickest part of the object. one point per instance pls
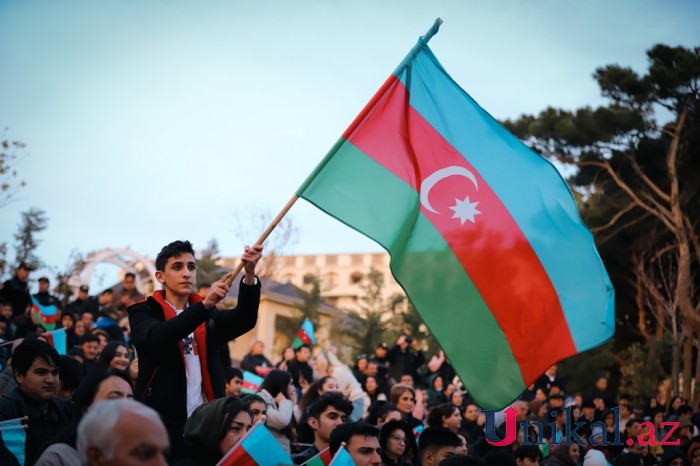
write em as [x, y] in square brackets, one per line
[434, 456]
[327, 421]
[6, 310]
[91, 349]
[364, 451]
[129, 283]
[43, 286]
[235, 386]
[87, 319]
[179, 275]
[3, 329]
[40, 382]
[527, 461]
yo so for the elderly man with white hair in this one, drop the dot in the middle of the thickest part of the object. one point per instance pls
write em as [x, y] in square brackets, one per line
[122, 432]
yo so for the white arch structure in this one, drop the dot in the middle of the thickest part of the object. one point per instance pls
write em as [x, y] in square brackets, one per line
[124, 258]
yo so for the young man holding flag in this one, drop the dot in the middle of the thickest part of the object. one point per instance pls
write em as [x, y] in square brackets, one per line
[178, 336]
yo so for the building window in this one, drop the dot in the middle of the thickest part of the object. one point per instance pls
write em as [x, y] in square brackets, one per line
[309, 260]
[332, 260]
[356, 277]
[309, 278]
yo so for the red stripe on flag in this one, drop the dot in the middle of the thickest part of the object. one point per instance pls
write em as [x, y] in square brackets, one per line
[239, 457]
[49, 338]
[493, 250]
[249, 385]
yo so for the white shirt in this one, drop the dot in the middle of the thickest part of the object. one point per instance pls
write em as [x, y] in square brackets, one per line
[193, 372]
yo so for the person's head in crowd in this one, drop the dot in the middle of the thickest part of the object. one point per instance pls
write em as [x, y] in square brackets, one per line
[234, 381]
[114, 355]
[567, 455]
[90, 344]
[594, 458]
[499, 457]
[105, 298]
[216, 427]
[324, 414]
[129, 281]
[599, 403]
[372, 368]
[79, 328]
[403, 397]
[436, 383]
[381, 411]
[676, 403]
[457, 399]
[328, 384]
[381, 350]
[609, 418]
[464, 446]
[35, 365]
[626, 410]
[83, 292]
[555, 400]
[685, 412]
[673, 456]
[122, 433]
[471, 412]
[276, 382]
[67, 320]
[361, 362]
[540, 394]
[370, 385]
[104, 338]
[3, 326]
[256, 405]
[77, 354]
[601, 384]
[407, 379]
[528, 455]
[448, 390]
[43, 285]
[555, 389]
[632, 428]
[87, 320]
[588, 410]
[435, 444]
[22, 271]
[258, 348]
[71, 371]
[523, 408]
[303, 353]
[101, 384]
[694, 452]
[288, 354]
[5, 309]
[657, 416]
[445, 415]
[398, 443]
[361, 442]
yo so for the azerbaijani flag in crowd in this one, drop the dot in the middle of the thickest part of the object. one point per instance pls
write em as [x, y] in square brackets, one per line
[342, 458]
[13, 435]
[484, 234]
[45, 316]
[258, 447]
[57, 339]
[323, 458]
[305, 335]
[251, 382]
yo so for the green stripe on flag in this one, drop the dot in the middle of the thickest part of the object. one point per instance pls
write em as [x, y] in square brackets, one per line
[359, 192]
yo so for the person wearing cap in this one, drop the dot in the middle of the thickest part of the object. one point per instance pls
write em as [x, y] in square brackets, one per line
[83, 303]
[16, 290]
[45, 298]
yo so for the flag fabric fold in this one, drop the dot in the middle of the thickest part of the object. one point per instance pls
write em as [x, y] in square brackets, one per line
[342, 458]
[305, 335]
[257, 448]
[13, 435]
[323, 458]
[484, 234]
[44, 315]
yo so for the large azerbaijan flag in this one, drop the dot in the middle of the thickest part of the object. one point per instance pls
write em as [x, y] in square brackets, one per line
[484, 234]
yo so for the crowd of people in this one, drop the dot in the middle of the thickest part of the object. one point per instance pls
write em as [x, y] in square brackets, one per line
[149, 381]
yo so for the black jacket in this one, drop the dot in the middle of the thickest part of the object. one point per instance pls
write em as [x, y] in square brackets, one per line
[43, 427]
[161, 383]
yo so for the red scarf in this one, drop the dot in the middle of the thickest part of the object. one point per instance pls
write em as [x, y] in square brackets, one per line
[200, 338]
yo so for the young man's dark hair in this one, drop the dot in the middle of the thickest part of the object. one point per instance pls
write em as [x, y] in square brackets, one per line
[71, 371]
[130, 275]
[344, 432]
[532, 452]
[335, 399]
[231, 372]
[27, 351]
[173, 249]
[89, 337]
[436, 444]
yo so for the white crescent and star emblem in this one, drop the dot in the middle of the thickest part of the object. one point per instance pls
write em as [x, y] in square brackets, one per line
[463, 209]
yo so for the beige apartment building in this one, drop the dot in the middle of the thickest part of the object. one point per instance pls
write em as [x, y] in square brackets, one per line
[342, 275]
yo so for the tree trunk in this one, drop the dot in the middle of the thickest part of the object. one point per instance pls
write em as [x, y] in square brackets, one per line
[687, 365]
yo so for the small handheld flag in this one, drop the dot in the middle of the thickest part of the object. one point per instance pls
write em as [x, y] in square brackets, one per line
[45, 316]
[251, 382]
[342, 458]
[257, 448]
[323, 458]
[13, 436]
[305, 335]
[57, 339]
